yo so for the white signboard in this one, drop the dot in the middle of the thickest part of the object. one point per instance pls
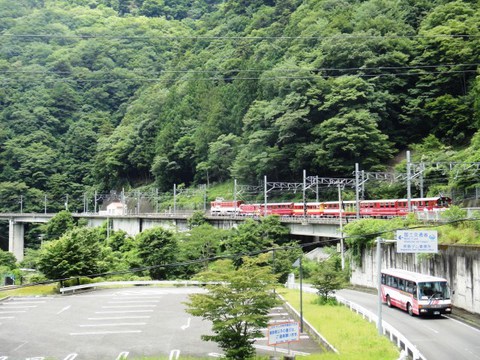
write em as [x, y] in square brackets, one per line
[283, 333]
[417, 241]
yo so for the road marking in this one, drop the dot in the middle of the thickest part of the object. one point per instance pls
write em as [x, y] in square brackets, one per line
[107, 332]
[431, 329]
[19, 346]
[174, 354]
[5, 318]
[122, 355]
[71, 356]
[64, 309]
[116, 324]
[183, 327]
[11, 312]
[126, 306]
[216, 355]
[119, 318]
[459, 322]
[15, 302]
[123, 312]
[133, 301]
[16, 306]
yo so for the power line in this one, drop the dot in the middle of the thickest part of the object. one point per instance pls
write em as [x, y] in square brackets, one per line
[266, 78]
[407, 67]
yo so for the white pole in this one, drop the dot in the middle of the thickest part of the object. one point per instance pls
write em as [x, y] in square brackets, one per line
[357, 191]
[341, 225]
[265, 195]
[379, 285]
[409, 185]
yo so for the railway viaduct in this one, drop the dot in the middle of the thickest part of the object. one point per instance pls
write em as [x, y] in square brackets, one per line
[135, 224]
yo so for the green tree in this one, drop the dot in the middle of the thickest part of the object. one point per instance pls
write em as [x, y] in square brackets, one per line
[202, 242]
[238, 306]
[252, 236]
[76, 253]
[7, 259]
[58, 225]
[329, 277]
[350, 138]
[157, 247]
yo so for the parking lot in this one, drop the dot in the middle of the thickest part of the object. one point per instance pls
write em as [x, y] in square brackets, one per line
[112, 324]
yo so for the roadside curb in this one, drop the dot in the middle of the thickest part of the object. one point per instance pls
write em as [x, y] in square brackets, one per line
[308, 327]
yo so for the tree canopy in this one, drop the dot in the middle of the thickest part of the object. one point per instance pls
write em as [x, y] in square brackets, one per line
[117, 94]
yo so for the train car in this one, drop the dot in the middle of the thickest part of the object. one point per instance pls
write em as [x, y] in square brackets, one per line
[331, 208]
[399, 207]
[222, 207]
[314, 209]
[383, 208]
[250, 210]
[280, 209]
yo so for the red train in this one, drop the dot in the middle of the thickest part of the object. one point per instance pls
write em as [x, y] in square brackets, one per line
[368, 208]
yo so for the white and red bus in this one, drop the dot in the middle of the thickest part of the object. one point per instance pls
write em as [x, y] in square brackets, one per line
[416, 293]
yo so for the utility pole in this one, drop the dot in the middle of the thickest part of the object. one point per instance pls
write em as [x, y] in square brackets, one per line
[265, 195]
[340, 210]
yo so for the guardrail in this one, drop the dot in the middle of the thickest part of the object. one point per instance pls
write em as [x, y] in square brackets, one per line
[393, 334]
[408, 350]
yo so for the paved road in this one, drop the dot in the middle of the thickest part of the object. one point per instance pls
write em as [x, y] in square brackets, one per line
[437, 338]
[111, 323]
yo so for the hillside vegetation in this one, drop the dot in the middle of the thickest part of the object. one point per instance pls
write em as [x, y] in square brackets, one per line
[112, 94]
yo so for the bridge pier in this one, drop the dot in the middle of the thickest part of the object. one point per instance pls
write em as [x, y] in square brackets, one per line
[16, 232]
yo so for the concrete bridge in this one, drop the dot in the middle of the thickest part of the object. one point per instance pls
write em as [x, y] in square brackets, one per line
[135, 224]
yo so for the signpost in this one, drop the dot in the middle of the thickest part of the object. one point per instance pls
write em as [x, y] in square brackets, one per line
[418, 241]
[283, 333]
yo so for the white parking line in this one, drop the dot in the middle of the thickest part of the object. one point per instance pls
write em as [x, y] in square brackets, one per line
[123, 311]
[71, 356]
[133, 301]
[117, 324]
[6, 318]
[107, 332]
[15, 302]
[122, 355]
[64, 309]
[126, 306]
[119, 318]
[11, 312]
[21, 307]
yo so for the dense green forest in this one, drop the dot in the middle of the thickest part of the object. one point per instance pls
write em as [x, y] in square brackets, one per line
[111, 94]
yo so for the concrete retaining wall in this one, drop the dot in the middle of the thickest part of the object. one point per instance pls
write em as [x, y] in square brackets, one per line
[459, 264]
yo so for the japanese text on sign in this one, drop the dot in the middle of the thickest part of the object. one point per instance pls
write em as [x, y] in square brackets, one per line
[418, 241]
[283, 333]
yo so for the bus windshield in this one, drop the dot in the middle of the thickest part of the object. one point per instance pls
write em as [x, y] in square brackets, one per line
[433, 290]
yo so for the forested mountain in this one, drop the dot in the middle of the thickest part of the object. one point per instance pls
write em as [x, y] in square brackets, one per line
[105, 94]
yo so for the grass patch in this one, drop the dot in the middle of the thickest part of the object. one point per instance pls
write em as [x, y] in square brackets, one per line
[349, 333]
[37, 290]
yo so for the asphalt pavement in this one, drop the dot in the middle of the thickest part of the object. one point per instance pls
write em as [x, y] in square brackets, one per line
[118, 324]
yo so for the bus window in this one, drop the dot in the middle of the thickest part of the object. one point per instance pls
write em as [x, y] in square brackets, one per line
[401, 284]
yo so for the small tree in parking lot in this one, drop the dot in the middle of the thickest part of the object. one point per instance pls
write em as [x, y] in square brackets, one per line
[238, 305]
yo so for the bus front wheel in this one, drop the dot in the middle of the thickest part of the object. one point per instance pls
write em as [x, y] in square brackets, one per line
[389, 302]
[410, 310]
